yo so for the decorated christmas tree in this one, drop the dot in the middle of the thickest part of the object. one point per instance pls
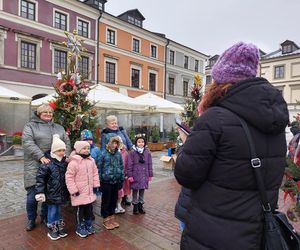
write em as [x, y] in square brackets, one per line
[291, 184]
[191, 104]
[71, 107]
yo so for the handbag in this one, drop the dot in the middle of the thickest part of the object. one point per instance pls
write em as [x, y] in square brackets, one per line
[279, 234]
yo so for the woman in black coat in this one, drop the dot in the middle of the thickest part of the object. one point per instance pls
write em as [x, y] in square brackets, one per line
[225, 211]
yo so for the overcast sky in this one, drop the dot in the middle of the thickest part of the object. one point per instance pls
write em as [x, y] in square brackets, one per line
[210, 26]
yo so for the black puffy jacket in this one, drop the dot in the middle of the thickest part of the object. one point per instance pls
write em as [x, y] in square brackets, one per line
[182, 204]
[225, 211]
[50, 180]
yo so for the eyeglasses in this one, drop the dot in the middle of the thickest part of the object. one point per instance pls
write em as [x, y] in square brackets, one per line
[47, 112]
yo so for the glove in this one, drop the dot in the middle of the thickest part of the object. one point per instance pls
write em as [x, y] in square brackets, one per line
[96, 191]
[150, 178]
[120, 185]
[40, 197]
[130, 179]
[76, 194]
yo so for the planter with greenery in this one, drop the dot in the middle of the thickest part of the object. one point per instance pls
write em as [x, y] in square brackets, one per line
[17, 144]
[155, 134]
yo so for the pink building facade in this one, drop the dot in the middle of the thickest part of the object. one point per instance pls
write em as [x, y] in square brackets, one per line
[31, 32]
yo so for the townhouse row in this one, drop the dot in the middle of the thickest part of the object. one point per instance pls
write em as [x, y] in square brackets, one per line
[120, 53]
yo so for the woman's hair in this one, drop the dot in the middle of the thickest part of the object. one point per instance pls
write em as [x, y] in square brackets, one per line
[215, 93]
[110, 118]
[43, 108]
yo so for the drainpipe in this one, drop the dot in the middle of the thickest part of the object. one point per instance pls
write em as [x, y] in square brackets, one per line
[98, 41]
[166, 54]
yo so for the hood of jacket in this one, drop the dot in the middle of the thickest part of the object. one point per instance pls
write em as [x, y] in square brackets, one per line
[259, 103]
[78, 158]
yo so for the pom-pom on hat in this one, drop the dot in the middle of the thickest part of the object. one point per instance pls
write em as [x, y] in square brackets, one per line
[57, 144]
[140, 136]
[237, 63]
[80, 145]
[86, 135]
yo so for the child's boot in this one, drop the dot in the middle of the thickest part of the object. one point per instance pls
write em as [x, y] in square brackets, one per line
[61, 229]
[125, 201]
[81, 231]
[30, 225]
[114, 222]
[89, 227]
[107, 223]
[141, 208]
[135, 208]
[53, 231]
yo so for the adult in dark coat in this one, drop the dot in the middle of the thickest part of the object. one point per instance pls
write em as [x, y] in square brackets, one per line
[225, 211]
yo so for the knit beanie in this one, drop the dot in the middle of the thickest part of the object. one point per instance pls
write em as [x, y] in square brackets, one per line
[80, 145]
[86, 135]
[140, 136]
[237, 63]
[57, 144]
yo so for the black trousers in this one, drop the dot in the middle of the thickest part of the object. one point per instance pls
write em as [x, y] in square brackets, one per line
[109, 199]
[84, 213]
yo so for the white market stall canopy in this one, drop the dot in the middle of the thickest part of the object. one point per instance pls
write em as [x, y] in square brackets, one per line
[104, 98]
[10, 96]
[159, 105]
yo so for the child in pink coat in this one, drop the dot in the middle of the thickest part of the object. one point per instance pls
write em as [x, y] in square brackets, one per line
[82, 181]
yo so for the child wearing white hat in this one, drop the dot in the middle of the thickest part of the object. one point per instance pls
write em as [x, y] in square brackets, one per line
[51, 187]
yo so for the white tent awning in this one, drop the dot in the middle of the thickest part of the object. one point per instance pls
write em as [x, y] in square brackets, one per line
[8, 95]
[103, 97]
[158, 104]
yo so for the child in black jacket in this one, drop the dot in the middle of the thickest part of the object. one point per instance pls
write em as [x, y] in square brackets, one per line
[51, 187]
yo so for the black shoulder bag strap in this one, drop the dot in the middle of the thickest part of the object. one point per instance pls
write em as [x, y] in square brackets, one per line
[256, 164]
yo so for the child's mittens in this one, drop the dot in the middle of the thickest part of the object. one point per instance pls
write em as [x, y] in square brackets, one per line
[130, 179]
[97, 191]
[40, 197]
[150, 178]
[76, 194]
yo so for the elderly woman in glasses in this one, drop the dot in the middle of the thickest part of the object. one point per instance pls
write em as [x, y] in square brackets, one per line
[37, 139]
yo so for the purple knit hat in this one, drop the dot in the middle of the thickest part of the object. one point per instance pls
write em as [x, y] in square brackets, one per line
[237, 63]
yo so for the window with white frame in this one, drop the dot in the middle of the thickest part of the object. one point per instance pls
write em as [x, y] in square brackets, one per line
[197, 65]
[171, 85]
[186, 62]
[83, 28]
[60, 61]
[136, 45]
[135, 78]
[152, 81]
[279, 72]
[185, 88]
[28, 9]
[111, 36]
[172, 57]
[153, 51]
[2, 37]
[28, 55]
[60, 20]
[110, 72]
[83, 66]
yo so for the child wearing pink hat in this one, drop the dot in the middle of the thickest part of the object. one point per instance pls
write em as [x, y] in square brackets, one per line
[82, 181]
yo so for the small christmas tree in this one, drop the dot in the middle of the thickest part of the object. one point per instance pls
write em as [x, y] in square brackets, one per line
[71, 107]
[190, 108]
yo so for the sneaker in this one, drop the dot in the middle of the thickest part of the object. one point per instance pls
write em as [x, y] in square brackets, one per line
[119, 210]
[61, 229]
[107, 223]
[81, 230]
[89, 227]
[30, 225]
[53, 232]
